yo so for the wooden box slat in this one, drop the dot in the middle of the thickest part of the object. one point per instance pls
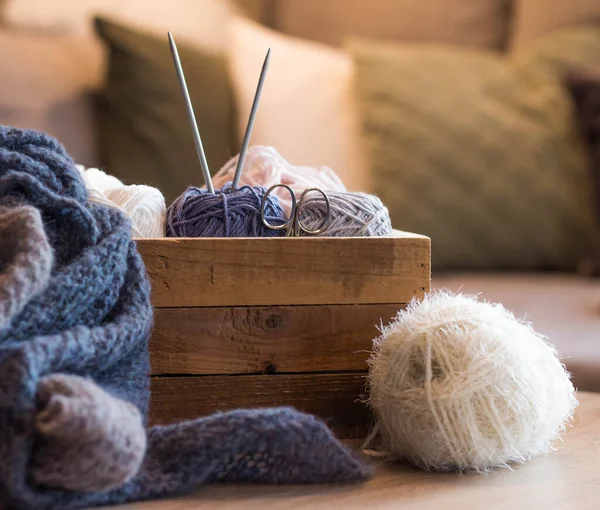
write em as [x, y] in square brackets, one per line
[236, 340]
[245, 323]
[333, 397]
[286, 271]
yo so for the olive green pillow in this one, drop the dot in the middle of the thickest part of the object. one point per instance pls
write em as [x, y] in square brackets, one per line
[479, 152]
[144, 132]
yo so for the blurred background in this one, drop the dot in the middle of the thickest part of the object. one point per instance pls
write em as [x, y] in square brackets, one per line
[477, 122]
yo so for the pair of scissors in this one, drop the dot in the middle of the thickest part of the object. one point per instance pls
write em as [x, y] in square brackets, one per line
[293, 226]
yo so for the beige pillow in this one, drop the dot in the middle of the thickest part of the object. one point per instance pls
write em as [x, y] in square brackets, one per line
[481, 23]
[307, 111]
[48, 83]
[480, 153]
[535, 18]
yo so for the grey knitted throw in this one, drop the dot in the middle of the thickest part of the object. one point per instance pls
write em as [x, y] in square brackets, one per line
[75, 317]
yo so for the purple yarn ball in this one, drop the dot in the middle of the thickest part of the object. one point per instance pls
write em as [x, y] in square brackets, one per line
[198, 213]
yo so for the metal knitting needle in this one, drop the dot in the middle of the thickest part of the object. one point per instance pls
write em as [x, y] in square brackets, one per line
[248, 133]
[190, 114]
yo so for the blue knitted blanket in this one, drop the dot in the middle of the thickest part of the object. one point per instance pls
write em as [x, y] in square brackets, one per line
[75, 317]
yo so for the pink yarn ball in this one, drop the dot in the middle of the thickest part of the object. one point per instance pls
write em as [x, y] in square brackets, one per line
[264, 166]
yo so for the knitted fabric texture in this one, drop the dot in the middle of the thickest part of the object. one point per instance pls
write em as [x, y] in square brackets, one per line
[75, 303]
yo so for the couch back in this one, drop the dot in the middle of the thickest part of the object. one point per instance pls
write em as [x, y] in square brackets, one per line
[496, 24]
[48, 76]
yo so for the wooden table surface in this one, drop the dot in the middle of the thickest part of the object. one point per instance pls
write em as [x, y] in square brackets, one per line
[566, 479]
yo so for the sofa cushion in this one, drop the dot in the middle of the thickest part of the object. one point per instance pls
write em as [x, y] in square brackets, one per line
[564, 308]
[479, 152]
[307, 111]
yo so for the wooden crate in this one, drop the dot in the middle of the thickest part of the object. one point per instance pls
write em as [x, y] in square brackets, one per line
[265, 322]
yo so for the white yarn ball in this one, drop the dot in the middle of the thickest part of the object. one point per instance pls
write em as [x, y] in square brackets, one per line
[144, 205]
[457, 383]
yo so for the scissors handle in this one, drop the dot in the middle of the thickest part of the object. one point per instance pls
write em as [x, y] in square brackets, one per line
[288, 226]
[326, 218]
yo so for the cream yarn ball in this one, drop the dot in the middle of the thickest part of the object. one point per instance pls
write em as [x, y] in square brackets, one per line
[144, 205]
[460, 384]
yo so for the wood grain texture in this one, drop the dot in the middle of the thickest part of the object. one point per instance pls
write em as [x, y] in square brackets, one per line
[235, 340]
[566, 479]
[333, 397]
[287, 271]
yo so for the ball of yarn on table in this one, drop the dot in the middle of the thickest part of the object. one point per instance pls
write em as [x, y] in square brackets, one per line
[264, 166]
[461, 384]
[351, 214]
[198, 213]
[144, 205]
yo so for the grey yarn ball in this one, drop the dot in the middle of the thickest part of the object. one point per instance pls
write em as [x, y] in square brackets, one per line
[352, 215]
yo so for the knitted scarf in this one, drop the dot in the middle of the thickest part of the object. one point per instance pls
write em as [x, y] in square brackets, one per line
[75, 317]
